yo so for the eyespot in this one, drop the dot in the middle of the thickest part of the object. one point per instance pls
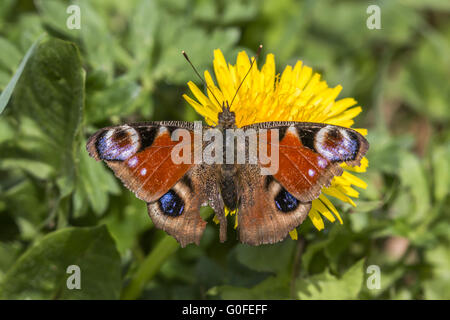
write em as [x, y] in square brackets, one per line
[285, 201]
[118, 144]
[336, 144]
[171, 204]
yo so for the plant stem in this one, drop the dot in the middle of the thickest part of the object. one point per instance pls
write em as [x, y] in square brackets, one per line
[296, 265]
[149, 267]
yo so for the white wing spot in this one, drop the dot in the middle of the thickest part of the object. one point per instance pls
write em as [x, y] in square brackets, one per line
[292, 130]
[133, 162]
[162, 130]
[322, 163]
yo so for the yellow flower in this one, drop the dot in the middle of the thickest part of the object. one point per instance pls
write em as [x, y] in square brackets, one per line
[298, 94]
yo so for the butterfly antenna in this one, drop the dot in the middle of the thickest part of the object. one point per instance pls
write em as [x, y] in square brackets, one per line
[249, 69]
[199, 76]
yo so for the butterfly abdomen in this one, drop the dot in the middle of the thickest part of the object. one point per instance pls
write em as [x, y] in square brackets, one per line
[228, 186]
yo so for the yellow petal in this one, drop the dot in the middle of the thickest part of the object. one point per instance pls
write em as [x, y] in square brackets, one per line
[298, 94]
[316, 219]
[320, 207]
[328, 203]
[293, 234]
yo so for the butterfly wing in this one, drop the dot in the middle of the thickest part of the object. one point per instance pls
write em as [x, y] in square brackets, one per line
[263, 217]
[140, 155]
[310, 155]
[178, 211]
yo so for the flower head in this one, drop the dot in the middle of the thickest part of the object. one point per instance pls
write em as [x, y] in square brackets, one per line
[298, 94]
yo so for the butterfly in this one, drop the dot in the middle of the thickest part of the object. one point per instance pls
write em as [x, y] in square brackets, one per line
[268, 206]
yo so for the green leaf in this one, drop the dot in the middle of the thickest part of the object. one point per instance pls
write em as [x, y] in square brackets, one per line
[51, 94]
[5, 7]
[9, 251]
[116, 100]
[6, 131]
[422, 83]
[271, 288]
[24, 201]
[150, 266]
[172, 65]
[143, 30]
[441, 170]
[414, 178]
[94, 27]
[10, 57]
[94, 183]
[270, 257]
[6, 94]
[127, 221]
[327, 286]
[443, 5]
[41, 272]
[439, 286]
[53, 14]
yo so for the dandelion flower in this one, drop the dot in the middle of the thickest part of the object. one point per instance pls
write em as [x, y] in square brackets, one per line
[298, 94]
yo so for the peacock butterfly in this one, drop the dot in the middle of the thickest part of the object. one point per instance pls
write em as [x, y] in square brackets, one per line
[176, 167]
[269, 205]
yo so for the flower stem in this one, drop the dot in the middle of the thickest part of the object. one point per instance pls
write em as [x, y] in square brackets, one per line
[149, 267]
[301, 242]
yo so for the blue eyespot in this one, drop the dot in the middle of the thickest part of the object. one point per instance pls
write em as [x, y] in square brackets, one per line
[171, 204]
[285, 201]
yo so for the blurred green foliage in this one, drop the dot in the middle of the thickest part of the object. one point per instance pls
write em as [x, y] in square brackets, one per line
[59, 207]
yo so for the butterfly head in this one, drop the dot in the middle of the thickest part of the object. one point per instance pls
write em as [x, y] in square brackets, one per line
[227, 118]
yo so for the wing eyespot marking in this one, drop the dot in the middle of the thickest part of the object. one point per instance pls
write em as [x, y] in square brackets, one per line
[171, 204]
[286, 202]
[118, 144]
[336, 144]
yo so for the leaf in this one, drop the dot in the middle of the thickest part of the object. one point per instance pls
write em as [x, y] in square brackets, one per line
[94, 27]
[327, 286]
[10, 57]
[271, 288]
[127, 221]
[150, 266]
[171, 63]
[6, 131]
[422, 83]
[439, 286]
[271, 257]
[6, 94]
[414, 178]
[443, 5]
[41, 272]
[143, 30]
[5, 8]
[9, 251]
[441, 170]
[53, 14]
[51, 93]
[24, 202]
[94, 183]
[116, 100]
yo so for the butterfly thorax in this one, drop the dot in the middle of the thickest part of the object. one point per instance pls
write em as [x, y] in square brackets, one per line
[227, 118]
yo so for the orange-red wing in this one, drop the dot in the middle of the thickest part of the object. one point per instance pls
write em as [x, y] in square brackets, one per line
[141, 157]
[310, 156]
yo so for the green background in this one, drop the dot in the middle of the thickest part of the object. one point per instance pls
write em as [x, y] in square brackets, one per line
[58, 207]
